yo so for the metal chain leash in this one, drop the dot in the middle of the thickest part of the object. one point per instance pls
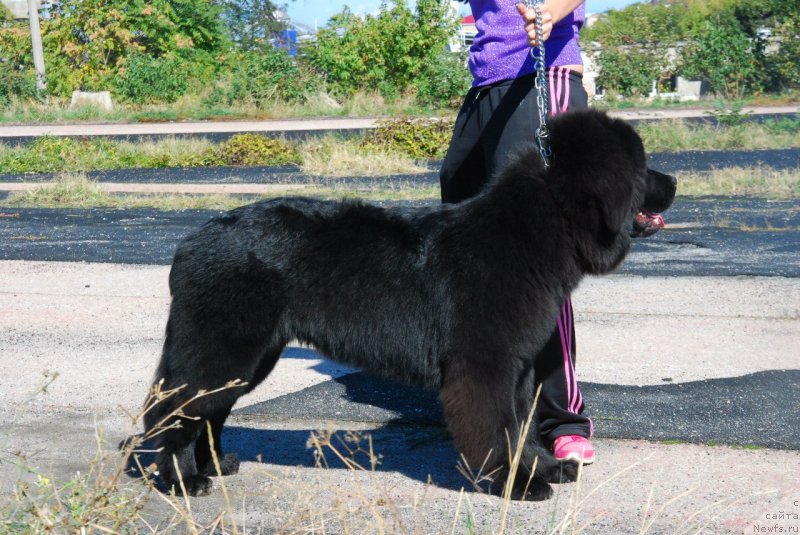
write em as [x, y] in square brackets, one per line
[542, 96]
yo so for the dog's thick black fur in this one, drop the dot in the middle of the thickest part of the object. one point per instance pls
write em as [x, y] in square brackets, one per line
[459, 298]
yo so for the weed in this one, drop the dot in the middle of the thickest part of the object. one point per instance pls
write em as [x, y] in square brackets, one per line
[417, 138]
[737, 181]
[67, 190]
[256, 149]
[331, 156]
[729, 115]
[677, 136]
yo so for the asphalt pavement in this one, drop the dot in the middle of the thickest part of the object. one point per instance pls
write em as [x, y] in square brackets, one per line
[704, 237]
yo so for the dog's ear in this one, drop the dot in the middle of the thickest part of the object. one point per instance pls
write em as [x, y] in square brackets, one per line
[600, 163]
[613, 197]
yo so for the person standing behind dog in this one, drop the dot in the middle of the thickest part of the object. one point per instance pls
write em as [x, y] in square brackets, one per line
[499, 112]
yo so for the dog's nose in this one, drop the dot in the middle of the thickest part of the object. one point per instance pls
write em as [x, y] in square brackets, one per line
[674, 180]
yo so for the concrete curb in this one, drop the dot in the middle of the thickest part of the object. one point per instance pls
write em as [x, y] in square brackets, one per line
[301, 125]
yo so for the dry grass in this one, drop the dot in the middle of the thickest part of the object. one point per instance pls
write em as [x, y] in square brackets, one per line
[742, 181]
[75, 190]
[168, 151]
[193, 107]
[105, 499]
[101, 500]
[330, 156]
[677, 136]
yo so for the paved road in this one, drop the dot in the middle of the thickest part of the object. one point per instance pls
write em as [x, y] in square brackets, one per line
[719, 237]
[714, 236]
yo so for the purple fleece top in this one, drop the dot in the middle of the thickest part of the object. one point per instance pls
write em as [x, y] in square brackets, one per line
[500, 50]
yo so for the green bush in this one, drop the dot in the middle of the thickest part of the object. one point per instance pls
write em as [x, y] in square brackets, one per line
[16, 83]
[146, 80]
[256, 149]
[783, 65]
[17, 78]
[88, 44]
[784, 125]
[722, 55]
[265, 75]
[49, 154]
[386, 52]
[444, 81]
[640, 23]
[418, 138]
[44, 154]
[629, 71]
[5, 14]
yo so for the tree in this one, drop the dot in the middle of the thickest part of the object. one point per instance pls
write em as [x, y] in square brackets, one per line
[642, 24]
[252, 23]
[88, 41]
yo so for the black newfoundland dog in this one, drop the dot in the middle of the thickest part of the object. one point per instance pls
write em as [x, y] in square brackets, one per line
[458, 298]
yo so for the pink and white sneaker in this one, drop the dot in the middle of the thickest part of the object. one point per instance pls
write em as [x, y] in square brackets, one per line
[573, 448]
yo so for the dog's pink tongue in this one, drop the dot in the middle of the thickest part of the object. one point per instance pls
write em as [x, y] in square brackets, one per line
[647, 223]
[653, 219]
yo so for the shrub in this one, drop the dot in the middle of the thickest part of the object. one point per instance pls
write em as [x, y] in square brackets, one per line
[256, 149]
[5, 14]
[723, 56]
[782, 65]
[384, 52]
[639, 23]
[268, 74]
[444, 81]
[44, 154]
[17, 79]
[418, 138]
[147, 80]
[629, 72]
[784, 125]
[16, 82]
[87, 43]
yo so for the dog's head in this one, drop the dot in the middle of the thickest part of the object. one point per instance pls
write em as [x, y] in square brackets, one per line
[599, 172]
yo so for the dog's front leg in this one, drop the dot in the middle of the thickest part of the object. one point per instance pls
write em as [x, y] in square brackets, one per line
[480, 406]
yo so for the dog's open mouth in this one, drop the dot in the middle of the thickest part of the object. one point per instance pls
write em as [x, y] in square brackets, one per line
[646, 223]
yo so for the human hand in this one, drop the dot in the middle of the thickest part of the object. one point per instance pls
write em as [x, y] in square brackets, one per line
[529, 15]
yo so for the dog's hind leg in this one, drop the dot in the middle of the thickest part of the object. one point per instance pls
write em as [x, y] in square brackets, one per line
[207, 364]
[229, 463]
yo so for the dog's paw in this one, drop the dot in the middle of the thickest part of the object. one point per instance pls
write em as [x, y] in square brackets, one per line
[228, 464]
[196, 485]
[563, 472]
[537, 491]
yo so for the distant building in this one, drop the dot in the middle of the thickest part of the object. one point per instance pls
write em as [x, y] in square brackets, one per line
[466, 34]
